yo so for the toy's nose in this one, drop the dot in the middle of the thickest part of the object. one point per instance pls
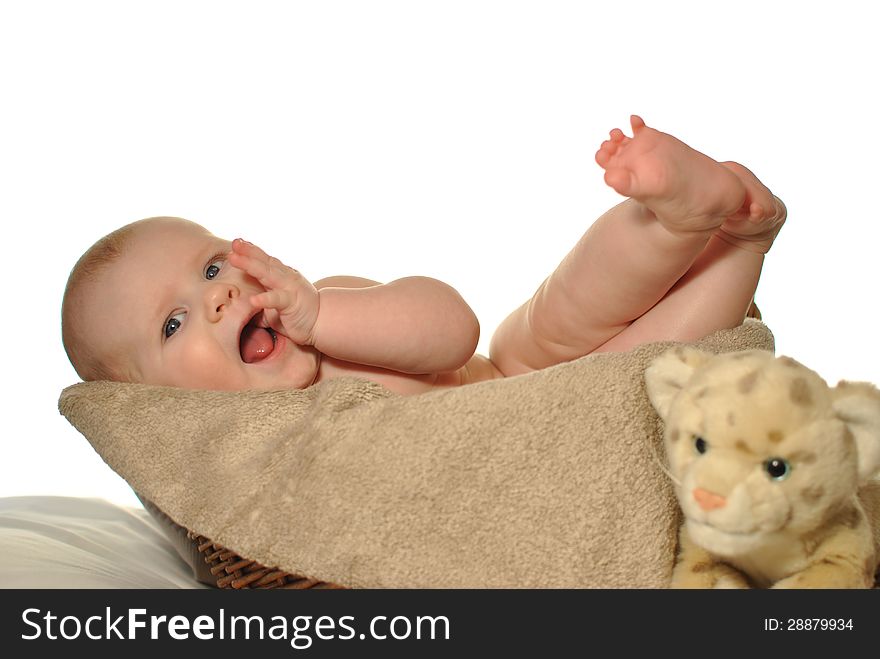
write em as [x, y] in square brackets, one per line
[708, 500]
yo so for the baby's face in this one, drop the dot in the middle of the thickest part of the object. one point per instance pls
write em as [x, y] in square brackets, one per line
[175, 309]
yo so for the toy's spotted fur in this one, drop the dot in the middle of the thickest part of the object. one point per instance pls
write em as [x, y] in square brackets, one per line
[769, 464]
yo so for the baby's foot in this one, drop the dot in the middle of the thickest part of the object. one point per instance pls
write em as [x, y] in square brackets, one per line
[688, 192]
[755, 227]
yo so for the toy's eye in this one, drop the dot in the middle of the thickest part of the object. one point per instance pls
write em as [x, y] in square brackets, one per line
[777, 468]
[700, 445]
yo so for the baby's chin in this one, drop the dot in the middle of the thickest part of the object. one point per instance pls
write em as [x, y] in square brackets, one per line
[291, 366]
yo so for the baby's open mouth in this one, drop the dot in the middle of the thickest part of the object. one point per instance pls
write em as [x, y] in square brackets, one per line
[257, 340]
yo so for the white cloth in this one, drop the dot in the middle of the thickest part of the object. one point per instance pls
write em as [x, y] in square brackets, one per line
[70, 542]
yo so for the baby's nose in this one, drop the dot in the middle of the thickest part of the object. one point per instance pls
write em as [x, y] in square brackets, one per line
[218, 298]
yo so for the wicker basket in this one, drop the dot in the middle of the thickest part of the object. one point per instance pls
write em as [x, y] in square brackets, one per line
[753, 312]
[216, 566]
[229, 570]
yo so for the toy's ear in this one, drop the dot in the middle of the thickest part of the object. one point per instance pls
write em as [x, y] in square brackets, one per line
[669, 373]
[857, 404]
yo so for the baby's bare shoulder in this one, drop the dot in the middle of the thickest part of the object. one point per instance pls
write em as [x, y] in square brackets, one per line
[345, 281]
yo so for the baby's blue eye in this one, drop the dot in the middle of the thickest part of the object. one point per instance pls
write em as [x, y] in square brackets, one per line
[213, 269]
[173, 324]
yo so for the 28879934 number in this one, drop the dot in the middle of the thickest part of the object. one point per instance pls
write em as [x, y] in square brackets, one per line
[808, 624]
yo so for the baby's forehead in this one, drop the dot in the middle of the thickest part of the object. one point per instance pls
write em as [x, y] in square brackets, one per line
[161, 228]
[161, 252]
[172, 239]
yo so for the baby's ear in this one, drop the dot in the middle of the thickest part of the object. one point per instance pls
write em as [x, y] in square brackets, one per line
[669, 373]
[857, 404]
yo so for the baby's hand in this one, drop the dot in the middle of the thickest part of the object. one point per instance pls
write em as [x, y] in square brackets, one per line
[290, 300]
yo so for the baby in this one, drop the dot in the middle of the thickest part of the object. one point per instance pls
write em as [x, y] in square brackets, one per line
[163, 301]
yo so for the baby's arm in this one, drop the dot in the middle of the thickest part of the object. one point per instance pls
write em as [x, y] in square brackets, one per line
[411, 325]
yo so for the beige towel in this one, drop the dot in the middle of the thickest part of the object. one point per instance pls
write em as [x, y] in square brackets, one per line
[544, 480]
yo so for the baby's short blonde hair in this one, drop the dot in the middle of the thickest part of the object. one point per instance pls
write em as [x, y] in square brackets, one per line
[87, 358]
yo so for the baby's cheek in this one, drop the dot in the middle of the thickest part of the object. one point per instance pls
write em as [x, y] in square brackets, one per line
[203, 366]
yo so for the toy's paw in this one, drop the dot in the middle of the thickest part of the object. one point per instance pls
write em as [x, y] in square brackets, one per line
[730, 582]
[707, 575]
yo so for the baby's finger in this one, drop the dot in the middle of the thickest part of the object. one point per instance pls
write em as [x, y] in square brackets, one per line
[268, 270]
[248, 250]
[276, 298]
[242, 246]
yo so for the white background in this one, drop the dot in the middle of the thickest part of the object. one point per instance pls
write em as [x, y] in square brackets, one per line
[383, 139]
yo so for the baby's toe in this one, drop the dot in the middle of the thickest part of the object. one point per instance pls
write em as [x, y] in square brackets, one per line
[620, 180]
[606, 152]
[756, 212]
[762, 203]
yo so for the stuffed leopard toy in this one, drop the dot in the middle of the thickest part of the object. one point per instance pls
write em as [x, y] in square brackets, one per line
[775, 471]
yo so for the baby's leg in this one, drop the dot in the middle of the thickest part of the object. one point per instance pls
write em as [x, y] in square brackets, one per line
[714, 294]
[686, 216]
